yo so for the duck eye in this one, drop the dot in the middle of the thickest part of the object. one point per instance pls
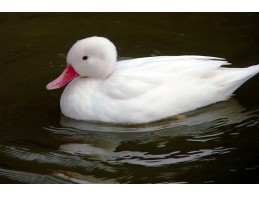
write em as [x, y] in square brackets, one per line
[85, 57]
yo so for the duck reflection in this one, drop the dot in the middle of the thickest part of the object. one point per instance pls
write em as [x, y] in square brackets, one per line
[180, 142]
[93, 138]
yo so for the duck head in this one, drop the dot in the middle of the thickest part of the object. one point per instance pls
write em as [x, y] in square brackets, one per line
[93, 57]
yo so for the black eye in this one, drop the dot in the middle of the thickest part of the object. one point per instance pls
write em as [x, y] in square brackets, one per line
[85, 57]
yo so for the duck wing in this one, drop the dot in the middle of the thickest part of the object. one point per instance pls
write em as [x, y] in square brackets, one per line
[136, 77]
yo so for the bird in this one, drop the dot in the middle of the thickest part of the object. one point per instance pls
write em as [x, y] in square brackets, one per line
[141, 90]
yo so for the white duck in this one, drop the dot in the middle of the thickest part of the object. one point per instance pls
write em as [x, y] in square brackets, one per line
[144, 89]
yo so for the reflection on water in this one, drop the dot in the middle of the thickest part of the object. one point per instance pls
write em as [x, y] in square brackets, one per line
[158, 152]
[199, 126]
[215, 144]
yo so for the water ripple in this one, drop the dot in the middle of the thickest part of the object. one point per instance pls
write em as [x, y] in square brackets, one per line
[161, 160]
[90, 152]
[28, 177]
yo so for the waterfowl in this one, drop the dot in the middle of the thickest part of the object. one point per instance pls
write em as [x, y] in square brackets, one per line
[141, 90]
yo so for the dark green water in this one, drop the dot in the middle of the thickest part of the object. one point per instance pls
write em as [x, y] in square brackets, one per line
[215, 144]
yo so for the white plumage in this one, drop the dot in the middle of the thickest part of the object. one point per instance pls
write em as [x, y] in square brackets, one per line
[144, 89]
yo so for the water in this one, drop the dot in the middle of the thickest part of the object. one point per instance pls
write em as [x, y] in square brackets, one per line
[215, 144]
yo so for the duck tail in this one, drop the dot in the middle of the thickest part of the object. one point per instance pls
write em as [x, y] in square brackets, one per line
[233, 78]
[243, 74]
[254, 69]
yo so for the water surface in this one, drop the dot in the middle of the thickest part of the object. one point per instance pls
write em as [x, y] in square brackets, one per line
[215, 144]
